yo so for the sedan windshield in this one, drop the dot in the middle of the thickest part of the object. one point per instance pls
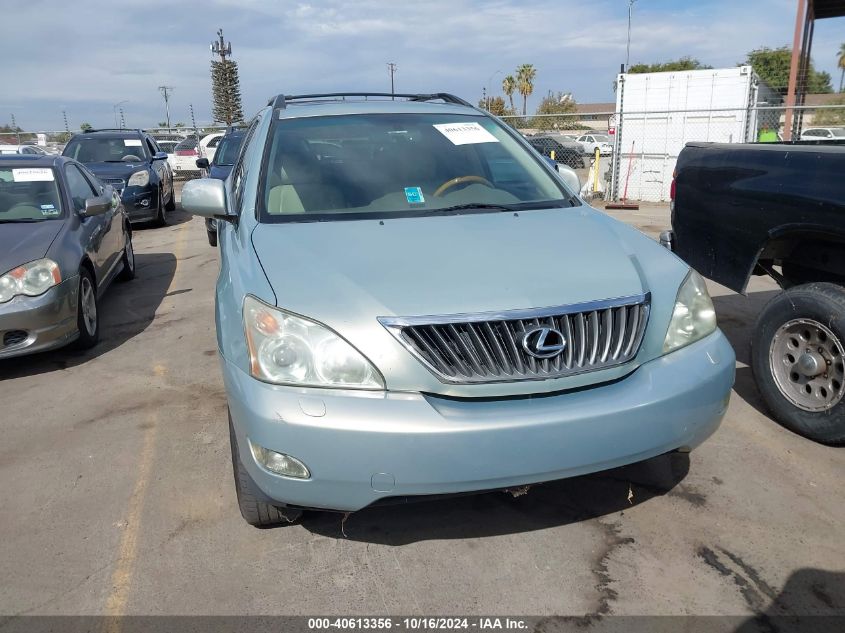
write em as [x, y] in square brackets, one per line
[601, 138]
[838, 132]
[228, 149]
[28, 194]
[104, 149]
[381, 165]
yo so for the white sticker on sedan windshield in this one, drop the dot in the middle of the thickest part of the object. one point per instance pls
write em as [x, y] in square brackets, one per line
[132, 142]
[48, 210]
[465, 133]
[32, 174]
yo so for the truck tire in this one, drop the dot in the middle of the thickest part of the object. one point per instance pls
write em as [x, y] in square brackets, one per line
[797, 355]
[255, 511]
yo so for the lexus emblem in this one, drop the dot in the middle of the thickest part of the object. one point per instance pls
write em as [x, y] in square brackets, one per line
[543, 342]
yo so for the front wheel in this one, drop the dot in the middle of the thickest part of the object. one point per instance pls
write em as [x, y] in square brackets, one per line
[128, 258]
[255, 511]
[171, 203]
[161, 216]
[87, 320]
[798, 350]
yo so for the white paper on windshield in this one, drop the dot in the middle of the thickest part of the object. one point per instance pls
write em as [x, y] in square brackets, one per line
[465, 133]
[32, 174]
[132, 142]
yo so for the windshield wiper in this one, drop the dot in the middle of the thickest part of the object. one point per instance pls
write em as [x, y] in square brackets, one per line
[472, 205]
[20, 220]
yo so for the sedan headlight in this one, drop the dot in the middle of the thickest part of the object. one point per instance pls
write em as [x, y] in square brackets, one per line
[292, 350]
[32, 279]
[139, 179]
[693, 317]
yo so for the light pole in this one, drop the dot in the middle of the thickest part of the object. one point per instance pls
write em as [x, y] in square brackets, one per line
[628, 48]
[115, 107]
[165, 92]
[489, 87]
[391, 68]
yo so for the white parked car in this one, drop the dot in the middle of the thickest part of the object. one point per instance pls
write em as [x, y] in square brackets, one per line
[26, 150]
[208, 145]
[822, 133]
[589, 143]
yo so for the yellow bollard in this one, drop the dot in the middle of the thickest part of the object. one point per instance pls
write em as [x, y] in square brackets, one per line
[552, 154]
[596, 171]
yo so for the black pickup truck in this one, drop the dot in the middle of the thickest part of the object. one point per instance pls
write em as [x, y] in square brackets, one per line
[779, 210]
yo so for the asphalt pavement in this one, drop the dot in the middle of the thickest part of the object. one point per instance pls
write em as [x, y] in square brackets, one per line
[117, 495]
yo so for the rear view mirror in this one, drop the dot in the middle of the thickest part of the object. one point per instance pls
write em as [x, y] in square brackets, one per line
[160, 156]
[202, 163]
[205, 197]
[97, 206]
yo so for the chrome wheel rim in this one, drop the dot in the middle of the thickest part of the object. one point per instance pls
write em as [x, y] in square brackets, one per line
[806, 360]
[89, 306]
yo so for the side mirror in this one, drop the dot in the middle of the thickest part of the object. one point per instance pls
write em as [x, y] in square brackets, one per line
[569, 177]
[205, 197]
[202, 163]
[160, 156]
[97, 206]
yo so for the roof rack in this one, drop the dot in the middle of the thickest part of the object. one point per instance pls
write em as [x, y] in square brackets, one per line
[114, 129]
[280, 101]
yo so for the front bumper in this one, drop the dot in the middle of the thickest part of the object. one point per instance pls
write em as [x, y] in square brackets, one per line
[141, 203]
[361, 447]
[36, 324]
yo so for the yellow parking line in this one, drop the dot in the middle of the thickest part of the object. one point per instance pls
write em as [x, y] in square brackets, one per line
[121, 579]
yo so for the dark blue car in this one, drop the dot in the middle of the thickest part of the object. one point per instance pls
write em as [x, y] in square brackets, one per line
[221, 166]
[132, 162]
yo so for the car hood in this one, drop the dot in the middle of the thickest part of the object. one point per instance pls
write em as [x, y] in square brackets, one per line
[25, 242]
[346, 274]
[115, 170]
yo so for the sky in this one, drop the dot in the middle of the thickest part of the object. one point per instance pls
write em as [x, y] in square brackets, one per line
[85, 56]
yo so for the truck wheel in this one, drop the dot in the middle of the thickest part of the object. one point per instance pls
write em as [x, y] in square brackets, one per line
[253, 510]
[797, 355]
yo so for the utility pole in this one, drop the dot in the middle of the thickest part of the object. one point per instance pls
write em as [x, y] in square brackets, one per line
[122, 119]
[628, 48]
[194, 123]
[392, 68]
[165, 92]
[64, 116]
[114, 110]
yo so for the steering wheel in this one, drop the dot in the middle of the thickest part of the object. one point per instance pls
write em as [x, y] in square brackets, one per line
[460, 180]
[131, 158]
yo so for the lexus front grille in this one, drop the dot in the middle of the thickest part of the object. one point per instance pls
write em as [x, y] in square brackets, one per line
[531, 344]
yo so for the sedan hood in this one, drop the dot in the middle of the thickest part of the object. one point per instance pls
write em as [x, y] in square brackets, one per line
[25, 242]
[360, 270]
[115, 170]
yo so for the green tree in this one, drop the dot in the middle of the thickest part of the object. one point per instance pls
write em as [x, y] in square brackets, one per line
[509, 87]
[494, 105]
[684, 63]
[85, 127]
[772, 64]
[840, 63]
[556, 103]
[525, 75]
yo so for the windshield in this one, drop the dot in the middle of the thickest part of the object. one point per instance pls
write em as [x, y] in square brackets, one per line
[601, 138]
[227, 151]
[104, 149]
[838, 132]
[28, 194]
[167, 146]
[379, 165]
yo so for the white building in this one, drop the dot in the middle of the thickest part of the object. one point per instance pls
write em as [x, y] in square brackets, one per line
[658, 113]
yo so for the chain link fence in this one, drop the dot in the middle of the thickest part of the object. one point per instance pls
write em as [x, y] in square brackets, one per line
[637, 151]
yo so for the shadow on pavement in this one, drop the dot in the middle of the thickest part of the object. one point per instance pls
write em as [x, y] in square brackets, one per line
[737, 315]
[126, 310]
[174, 218]
[495, 513]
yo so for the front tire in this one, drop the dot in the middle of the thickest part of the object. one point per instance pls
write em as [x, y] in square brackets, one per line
[87, 319]
[128, 259]
[161, 217]
[797, 353]
[254, 511]
[171, 203]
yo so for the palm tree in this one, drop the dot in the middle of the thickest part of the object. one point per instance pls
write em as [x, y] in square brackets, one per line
[841, 65]
[509, 87]
[525, 83]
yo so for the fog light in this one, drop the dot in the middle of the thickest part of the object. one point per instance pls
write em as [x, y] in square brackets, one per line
[279, 463]
[145, 202]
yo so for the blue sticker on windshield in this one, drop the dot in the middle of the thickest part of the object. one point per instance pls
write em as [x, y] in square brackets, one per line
[414, 195]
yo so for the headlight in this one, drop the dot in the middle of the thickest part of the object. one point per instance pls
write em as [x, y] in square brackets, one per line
[288, 349]
[31, 279]
[139, 179]
[693, 317]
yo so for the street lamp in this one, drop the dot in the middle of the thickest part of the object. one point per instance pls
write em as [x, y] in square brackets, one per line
[115, 107]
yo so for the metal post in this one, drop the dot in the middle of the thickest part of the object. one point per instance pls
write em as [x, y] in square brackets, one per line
[391, 68]
[800, 18]
[165, 92]
[122, 119]
[64, 116]
[15, 128]
[628, 47]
